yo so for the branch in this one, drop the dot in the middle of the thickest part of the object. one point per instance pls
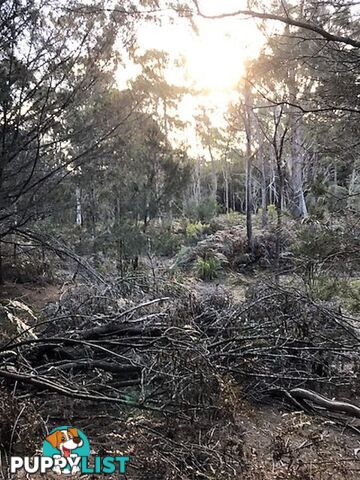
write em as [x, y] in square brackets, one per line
[332, 405]
[287, 20]
[44, 383]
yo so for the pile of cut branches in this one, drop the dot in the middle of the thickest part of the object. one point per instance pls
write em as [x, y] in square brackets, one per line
[183, 356]
[94, 343]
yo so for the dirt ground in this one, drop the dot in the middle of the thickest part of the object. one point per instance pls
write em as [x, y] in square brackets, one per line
[35, 296]
[273, 445]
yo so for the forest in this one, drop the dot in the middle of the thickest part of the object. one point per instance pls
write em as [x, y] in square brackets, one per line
[180, 236]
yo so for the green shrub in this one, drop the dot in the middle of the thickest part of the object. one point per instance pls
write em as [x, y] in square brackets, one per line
[316, 242]
[337, 197]
[327, 288]
[345, 292]
[207, 268]
[317, 211]
[234, 218]
[354, 199]
[272, 210]
[352, 299]
[206, 210]
[166, 243]
[195, 230]
[127, 237]
[182, 258]
[227, 220]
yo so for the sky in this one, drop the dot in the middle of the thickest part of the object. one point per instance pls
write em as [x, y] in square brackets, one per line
[214, 57]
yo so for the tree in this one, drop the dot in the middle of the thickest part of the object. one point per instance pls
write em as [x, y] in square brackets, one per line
[209, 137]
[248, 132]
[50, 59]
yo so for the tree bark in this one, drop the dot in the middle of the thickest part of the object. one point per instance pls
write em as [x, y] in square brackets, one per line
[78, 207]
[213, 175]
[249, 206]
[262, 161]
[300, 208]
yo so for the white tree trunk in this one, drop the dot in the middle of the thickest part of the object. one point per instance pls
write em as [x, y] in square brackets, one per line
[262, 161]
[78, 207]
[248, 185]
[296, 168]
[213, 174]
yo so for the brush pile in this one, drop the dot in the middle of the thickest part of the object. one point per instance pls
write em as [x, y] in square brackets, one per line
[178, 357]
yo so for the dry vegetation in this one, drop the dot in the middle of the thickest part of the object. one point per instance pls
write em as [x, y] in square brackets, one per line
[188, 379]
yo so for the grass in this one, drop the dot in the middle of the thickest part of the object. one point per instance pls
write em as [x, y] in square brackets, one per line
[207, 268]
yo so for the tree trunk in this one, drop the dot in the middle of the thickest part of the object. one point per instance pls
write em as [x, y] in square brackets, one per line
[226, 187]
[279, 209]
[278, 144]
[227, 203]
[300, 209]
[1, 266]
[213, 175]
[249, 206]
[197, 182]
[264, 212]
[262, 161]
[78, 207]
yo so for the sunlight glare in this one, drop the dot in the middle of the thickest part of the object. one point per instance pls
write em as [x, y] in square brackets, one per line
[214, 61]
[213, 64]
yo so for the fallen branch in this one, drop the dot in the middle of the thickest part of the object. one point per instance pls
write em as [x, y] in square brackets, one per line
[324, 402]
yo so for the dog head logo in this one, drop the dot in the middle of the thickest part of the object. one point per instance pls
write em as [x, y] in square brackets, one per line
[66, 445]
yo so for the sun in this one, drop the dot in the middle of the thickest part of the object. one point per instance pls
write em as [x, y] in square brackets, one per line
[215, 54]
[215, 63]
